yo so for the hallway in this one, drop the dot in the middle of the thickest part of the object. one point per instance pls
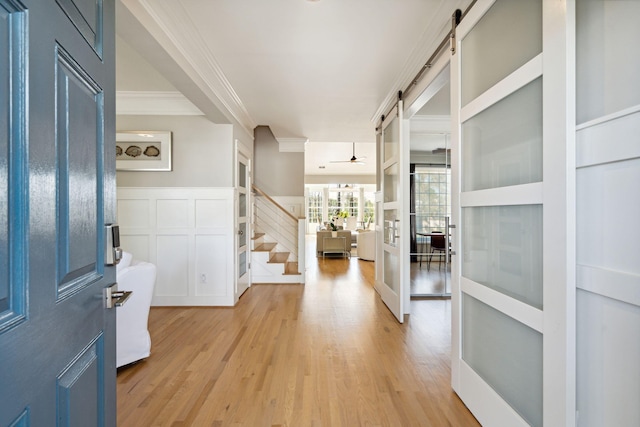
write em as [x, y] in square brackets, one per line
[328, 353]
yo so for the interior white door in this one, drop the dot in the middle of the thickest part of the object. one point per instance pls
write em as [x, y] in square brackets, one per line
[243, 229]
[512, 276]
[394, 182]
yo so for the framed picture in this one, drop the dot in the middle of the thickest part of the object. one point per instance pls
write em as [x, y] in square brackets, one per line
[143, 151]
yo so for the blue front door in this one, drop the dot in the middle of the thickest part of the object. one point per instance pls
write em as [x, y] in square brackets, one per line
[57, 192]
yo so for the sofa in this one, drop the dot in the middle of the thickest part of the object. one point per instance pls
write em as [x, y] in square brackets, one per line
[133, 341]
[340, 233]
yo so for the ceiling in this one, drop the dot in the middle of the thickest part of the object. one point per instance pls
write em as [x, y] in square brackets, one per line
[323, 70]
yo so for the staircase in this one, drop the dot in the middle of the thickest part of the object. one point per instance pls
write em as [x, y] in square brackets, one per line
[277, 245]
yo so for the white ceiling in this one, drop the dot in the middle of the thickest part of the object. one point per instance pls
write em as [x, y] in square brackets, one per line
[323, 70]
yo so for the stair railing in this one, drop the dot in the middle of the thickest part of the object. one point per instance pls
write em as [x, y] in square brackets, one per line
[280, 224]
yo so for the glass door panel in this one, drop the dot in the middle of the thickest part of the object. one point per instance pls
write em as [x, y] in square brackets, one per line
[607, 74]
[499, 363]
[503, 250]
[502, 145]
[389, 270]
[507, 37]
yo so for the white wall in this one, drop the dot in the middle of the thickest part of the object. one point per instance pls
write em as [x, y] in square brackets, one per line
[274, 172]
[134, 73]
[202, 152]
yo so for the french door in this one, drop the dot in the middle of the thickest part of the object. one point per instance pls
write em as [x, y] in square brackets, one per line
[513, 301]
[391, 271]
[243, 229]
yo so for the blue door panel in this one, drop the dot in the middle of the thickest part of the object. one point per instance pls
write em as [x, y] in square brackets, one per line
[80, 148]
[12, 179]
[87, 18]
[80, 388]
[22, 420]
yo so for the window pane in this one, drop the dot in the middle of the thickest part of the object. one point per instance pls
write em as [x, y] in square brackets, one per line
[242, 238]
[314, 209]
[502, 249]
[242, 175]
[432, 201]
[502, 145]
[390, 137]
[242, 204]
[508, 36]
[391, 183]
[242, 264]
[506, 354]
[391, 226]
[391, 270]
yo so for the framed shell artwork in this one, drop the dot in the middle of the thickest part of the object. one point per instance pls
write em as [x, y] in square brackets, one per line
[143, 151]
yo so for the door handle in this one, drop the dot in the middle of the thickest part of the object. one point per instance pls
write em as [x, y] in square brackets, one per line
[115, 298]
[240, 232]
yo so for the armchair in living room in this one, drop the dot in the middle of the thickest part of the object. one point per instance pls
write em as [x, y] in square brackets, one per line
[133, 341]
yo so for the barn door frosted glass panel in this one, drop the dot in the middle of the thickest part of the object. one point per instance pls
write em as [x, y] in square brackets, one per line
[242, 175]
[391, 140]
[503, 144]
[391, 183]
[608, 66]
[503, 250]
[507, 37]
[506, 354]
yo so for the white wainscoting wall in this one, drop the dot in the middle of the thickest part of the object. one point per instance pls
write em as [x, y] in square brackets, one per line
[188, 234]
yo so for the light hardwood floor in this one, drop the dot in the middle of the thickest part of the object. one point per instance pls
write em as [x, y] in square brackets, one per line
[328, 353]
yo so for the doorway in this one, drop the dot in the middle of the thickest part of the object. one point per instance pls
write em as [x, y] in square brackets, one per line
[430, 198]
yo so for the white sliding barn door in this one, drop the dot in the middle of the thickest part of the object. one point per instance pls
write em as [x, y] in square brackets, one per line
[513, 295]
[608, 210]
[394, 175]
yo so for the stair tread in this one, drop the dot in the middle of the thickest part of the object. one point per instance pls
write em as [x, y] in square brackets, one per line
[291, 268]
[265, 247]
[279, 257]
[256, 236]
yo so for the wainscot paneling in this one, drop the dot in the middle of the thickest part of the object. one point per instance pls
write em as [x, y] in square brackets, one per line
[188, 234]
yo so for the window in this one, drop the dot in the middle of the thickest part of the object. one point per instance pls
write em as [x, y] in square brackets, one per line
[314, 208]
[431, 189]
[325, 202]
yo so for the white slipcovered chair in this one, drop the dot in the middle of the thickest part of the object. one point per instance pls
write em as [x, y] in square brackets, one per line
[133, 341]
[367, 245]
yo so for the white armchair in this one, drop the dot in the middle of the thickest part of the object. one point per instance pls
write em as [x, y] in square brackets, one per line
[133, 341]
[367, 245]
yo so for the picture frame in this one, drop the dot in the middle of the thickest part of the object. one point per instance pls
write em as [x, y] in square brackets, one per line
[143, 151]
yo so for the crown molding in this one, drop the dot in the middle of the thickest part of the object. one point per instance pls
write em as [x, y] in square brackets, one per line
[155, 103]
[292, 145]
[189, 51]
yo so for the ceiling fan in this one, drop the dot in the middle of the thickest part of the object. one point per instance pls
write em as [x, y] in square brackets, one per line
[354, 160]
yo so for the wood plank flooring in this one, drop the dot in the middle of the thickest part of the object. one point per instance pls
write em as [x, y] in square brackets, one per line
[328, 353]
